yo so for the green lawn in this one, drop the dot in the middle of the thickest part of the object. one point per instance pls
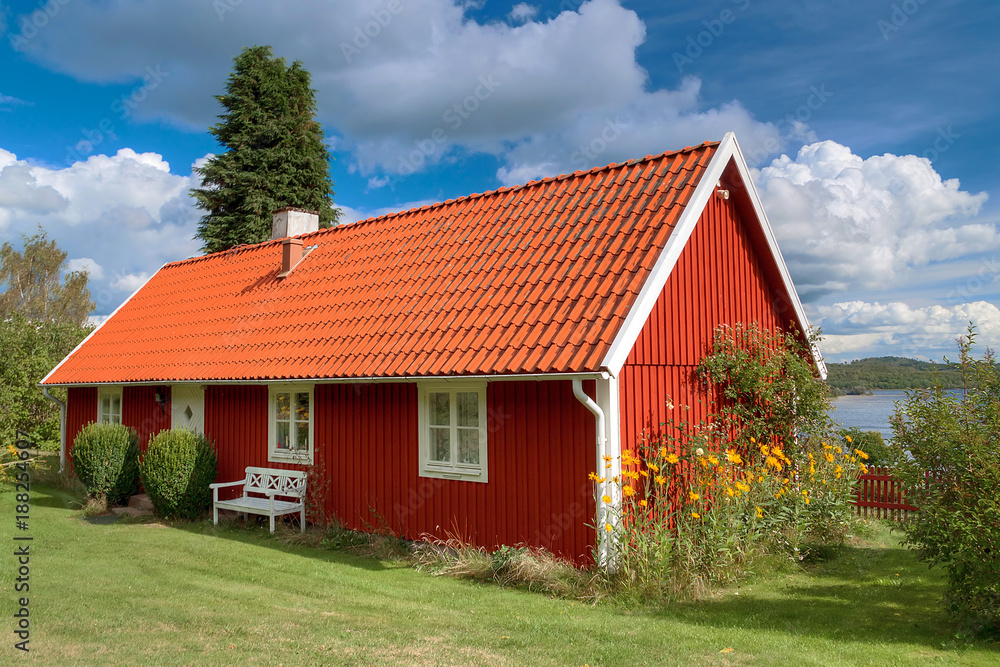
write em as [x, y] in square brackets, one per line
[135, 593]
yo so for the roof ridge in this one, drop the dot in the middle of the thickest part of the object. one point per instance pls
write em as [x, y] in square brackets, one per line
[448, 202]
[532, 184]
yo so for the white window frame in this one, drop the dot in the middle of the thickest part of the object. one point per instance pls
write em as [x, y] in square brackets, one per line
[452, 469]
[112, 393]
[275, 455]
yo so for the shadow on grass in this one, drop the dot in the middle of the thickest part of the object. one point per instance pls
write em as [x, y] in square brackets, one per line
[863, 595]
[259, 536]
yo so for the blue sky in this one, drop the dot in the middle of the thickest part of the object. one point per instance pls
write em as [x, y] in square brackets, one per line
[870, 127]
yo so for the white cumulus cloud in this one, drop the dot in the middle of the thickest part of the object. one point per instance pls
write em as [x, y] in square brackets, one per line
[898, 329]
[522, 11]
[406, 84]
[119, 217]
[844, 222]
[87, 265]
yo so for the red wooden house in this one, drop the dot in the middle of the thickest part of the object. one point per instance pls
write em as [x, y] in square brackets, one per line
[456, 368]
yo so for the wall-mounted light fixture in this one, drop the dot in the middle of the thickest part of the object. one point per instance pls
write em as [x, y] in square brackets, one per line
[161, 398]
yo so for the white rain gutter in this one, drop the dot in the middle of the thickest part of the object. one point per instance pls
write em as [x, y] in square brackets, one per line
[592, 405]
[62, 427]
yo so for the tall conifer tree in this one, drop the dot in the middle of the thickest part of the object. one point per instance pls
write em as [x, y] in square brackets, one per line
[275, 154]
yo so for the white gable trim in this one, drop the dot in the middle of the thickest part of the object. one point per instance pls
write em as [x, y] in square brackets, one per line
[96, 329]
[728, 149]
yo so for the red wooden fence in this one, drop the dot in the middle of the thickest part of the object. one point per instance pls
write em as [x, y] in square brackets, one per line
[879, 495]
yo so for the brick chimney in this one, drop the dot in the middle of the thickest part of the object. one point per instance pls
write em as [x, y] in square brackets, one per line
[288, 224]
[291, 221]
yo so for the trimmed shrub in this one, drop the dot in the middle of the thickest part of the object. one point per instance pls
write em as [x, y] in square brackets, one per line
[176, 471]
[106, 459]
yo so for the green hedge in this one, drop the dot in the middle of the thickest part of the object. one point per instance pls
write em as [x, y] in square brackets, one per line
[106, 459]
[176, 470]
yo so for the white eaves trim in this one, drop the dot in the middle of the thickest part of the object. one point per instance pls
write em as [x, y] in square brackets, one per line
[98, 328]
[729, 149]
[531, 377]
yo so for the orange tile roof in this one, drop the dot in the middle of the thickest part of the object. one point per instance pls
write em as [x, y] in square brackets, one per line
[531, 279]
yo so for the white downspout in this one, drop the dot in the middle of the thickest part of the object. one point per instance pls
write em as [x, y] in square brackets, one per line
[601, 519]
[62, 427]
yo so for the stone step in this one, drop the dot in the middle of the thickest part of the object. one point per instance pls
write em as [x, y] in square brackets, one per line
[141, 502]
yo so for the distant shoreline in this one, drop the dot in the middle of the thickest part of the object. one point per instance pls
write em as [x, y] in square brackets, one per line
[863, 376]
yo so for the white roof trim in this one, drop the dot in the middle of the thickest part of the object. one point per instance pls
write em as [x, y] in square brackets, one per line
[527, 377]
[728, 149]
[96, 329]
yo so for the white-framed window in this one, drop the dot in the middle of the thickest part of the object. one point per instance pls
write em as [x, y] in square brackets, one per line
[109, 405]
[452, 422]
[290, 423]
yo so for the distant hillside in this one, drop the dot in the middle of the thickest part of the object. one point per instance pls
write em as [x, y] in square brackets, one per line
[891, 373]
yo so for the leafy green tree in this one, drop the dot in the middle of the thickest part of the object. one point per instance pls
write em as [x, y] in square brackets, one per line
[33, 287]
[42, 318]
[947, 450]
[275, 154]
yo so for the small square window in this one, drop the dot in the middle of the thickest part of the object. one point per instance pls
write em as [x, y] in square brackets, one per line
[453, 437]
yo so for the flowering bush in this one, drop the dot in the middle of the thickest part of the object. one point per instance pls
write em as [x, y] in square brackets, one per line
[695, 509]
[694, 504]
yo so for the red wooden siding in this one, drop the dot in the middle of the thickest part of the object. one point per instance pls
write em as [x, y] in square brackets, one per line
[141, 412]
[236, 423]
[81, 409]
[718, 279]
[540, 449]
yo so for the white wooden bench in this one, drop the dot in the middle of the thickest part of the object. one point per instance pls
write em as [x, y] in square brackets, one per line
[267, 482]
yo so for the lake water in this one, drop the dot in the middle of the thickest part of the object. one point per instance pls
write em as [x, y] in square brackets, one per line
[869, 413]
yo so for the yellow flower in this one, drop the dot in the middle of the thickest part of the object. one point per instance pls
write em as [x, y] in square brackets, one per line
[714, 461]
[642, 503]
[729, 491]
[672, 459]
[828, 456]
[695, 515]
[644, 473]
[734, 456]
[752, 440]
[742, 487]
[607, 527]
[864, 469]
[606, 498]
[862, 454]
[773, 462]
[607, 459]
[764, 450]
[760, 513]
[653, 467]
[628, 491]
[693, 496]
[704, 463]
[848, 438]
[660, 479]
[663, 452]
